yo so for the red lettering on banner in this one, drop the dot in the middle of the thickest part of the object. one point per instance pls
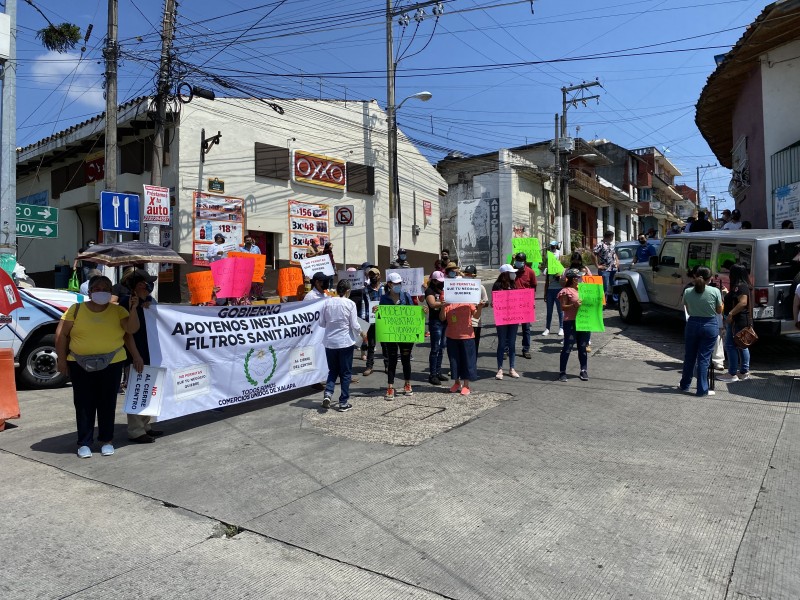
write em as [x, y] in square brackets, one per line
[316, 169]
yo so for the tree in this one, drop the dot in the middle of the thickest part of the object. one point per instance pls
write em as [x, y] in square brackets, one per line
[58, 38]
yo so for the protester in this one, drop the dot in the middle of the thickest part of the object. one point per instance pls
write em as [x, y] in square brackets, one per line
[250, 247]
[471, 272]
[371, 298]
[506, 334]
[736, 311]
[701, 223]
[725, 218]
[703, 303]
[461, 343]
[552, 286]
[356, 297]
[576, 262]
[84, 289]
[570, 303]
[607, 263]
[525, 279]
[338, 317]
[90, 341]
[396, 295]
[319, 283]
[401, 262]
[434, 297]
[141, 284]
[644, 251]
[328, 251]
[735, 223]
[216, 251]
[674, 229]
[313, 248]
[787, 224]
[445, 257]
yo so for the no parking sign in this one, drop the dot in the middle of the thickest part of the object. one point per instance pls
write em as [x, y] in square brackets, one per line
[343, 216]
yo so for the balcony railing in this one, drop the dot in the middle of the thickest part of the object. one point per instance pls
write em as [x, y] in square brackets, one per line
[589, 184]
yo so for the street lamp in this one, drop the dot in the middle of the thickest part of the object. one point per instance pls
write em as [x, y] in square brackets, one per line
[394, 178]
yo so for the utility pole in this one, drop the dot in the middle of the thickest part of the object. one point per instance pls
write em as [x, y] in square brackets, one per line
[394, 225]
[110, 53]
[8, 145]
[579, 96]
[556, 189]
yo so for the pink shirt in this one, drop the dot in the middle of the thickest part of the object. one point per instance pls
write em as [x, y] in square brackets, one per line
[572, 295]
[459, 321]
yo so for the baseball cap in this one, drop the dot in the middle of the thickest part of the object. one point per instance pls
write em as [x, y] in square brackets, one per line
[319, 276]
[365, 266]
[437, 276]
[471, 270]
[507, 269]
[374, 270]
[573, 273]
[394, 278]
[401, 251]
[553, 243]
[140, 275]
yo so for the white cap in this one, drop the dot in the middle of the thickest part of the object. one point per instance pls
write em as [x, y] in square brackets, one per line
[394, 278]
[507, 269]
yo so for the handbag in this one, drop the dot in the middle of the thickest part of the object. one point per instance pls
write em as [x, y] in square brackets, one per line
[74, 285]
[93, 362]
[746, 337]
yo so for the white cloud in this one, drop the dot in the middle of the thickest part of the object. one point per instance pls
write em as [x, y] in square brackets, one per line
[80, 80]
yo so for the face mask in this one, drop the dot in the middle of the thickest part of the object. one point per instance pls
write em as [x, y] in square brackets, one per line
[397, 288]
[519, 264]
[401, 256]
[452, 274]
[100, 297]
[512, 276]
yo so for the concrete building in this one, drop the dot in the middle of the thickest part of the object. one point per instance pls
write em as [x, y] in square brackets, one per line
[328, 153]
[748, 114]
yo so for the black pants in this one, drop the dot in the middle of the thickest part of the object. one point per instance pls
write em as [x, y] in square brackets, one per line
[369, 347]
[404, 350]
[477, 331]
[95, 395]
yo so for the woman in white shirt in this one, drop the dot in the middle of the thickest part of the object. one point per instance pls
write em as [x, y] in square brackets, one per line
[216, 251]
[338, 317]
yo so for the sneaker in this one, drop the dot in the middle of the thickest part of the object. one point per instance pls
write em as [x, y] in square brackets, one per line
[367, 372]
[84, 452]
[389, 395]
[546, 332]
[727, 378]
[513, 373]
[562, 376]
[434, 380]
[499, 374]
[744, 376]
[455, 388]
[560, 333]
[107, 449]
[344, 407]
[407, 390]
[326, 401]
[465, 391]
[711, 393]
[526, 354]
[584, 376]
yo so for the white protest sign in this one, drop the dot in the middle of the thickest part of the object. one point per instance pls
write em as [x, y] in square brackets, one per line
[462, 291]
[364, 325]
[373, 309]
[413, 280]
[317, 264]
[145, 391]
[356, 279]
[222, 355]
[156, 205]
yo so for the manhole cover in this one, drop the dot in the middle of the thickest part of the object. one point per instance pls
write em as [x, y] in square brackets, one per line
[417, 412]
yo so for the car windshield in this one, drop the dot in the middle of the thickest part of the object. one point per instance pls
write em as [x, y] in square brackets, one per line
[784, 261]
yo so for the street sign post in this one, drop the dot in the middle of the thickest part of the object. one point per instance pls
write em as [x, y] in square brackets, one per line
[36, 221]
[343, 216]
[119, 212]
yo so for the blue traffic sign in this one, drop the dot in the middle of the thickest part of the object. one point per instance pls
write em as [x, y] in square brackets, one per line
[119, 212]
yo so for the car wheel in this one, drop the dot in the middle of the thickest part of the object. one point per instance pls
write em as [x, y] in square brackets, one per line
[38, 364]
[630, 311]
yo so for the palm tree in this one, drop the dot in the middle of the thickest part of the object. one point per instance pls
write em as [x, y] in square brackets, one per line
[59, 38]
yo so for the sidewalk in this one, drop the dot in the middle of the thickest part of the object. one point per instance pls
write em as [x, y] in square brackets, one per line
[617, 487]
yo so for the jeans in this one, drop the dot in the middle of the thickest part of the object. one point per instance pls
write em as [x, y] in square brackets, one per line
[404, 350]
[735, 355]
[506, 339]
[608, 284]
[437, 329]
[700, 336]
[552, 292]
[526, 337]
[340, 365]
[570, 337]
[462, 359]
[95, 395]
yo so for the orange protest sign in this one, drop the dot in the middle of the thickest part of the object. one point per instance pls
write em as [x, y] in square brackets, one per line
[596, 280]
[201, 286]
[289, 279]
[261, 263]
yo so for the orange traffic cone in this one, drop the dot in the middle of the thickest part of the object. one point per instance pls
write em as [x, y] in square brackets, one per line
[9, 404]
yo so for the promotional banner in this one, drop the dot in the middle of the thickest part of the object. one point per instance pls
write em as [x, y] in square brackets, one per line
[356, 278]
[216, 356]
[215, 214]
[399, 323]
[145, 391]
[514, 306]
[413, 280]
[306, 222]
[201, 286]
[232, 276]
[462, 290]
[317, 264]
[590, 312]
[554, 266]
[156, 205]
[259, 263]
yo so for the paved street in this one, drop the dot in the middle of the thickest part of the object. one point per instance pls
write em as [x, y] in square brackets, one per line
[613, 488]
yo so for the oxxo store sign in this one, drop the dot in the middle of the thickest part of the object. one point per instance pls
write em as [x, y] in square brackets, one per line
[318, 170]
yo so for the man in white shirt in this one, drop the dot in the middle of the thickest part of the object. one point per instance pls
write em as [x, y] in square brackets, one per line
[735, 223]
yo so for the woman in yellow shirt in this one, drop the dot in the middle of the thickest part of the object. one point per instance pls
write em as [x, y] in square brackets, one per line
[90, 342]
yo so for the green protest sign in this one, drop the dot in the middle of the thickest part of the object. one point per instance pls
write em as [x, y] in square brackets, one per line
[554, 266]
[531, 248]
[399, 323]
[590, 313]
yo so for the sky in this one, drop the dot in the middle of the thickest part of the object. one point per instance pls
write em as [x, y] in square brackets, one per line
[495, 67]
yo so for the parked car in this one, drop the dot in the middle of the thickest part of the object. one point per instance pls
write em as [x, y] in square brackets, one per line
[627, 250]
[31, 335]
[772, 256]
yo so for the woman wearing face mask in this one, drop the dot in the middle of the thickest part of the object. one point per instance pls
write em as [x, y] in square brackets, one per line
[90, 342]
[703, 303]
[434, 297]
[371, 297]
[506, 334]
[396, 295]
[451, 270]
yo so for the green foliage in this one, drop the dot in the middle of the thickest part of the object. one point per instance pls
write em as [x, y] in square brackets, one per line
[60, 38]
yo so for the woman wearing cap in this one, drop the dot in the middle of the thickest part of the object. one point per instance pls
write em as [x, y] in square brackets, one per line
[216, 251]
[434, 297]
[570, 303]
[506, 334]
[396, 295]
[371, 297]
[552, 286]
[461, 343]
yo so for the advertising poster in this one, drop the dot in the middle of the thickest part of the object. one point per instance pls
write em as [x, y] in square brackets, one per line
[306, 222]
[215, 214]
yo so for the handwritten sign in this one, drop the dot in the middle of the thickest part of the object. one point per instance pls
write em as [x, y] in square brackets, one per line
[413, 280]
[462, 290]
[531, 248]
[317, 264]
[554, 266]
[259, 263]
[289, 280]
[596, 280]
[201, 286]
[590, 312]
[512, 307]
[145, 390]
[356, 279]
[232, 276]
[399, 323]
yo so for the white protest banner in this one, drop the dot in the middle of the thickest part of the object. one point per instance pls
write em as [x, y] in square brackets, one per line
[356, 278]
[413, 280]
[156, 205]
[216, 356]
[145, 391]
[462, 290]
[364, 325]
[317, 264]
